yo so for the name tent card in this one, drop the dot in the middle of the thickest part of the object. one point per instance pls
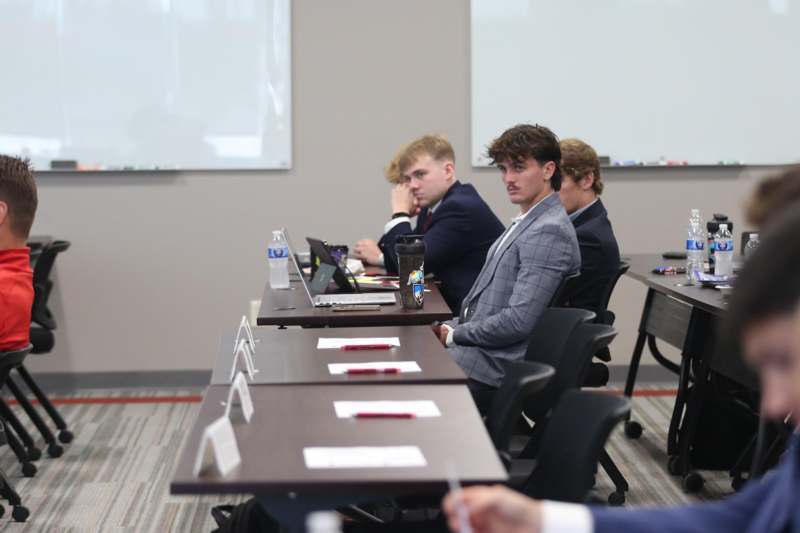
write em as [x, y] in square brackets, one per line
[239, 396]
[243, 356]
[245, 332]
[218, 448]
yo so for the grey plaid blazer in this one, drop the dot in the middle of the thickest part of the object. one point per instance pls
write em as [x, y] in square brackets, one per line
[512, 290]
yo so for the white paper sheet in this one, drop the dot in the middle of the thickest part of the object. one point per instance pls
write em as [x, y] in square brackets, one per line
[419, 408]
[364, 457]
[328, 343]
[402, 366]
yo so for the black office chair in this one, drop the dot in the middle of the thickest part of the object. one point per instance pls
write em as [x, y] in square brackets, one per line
[8, 361]
[570, 373]
[572, 444]
[19, 513]
[43, 341]
[522, 380]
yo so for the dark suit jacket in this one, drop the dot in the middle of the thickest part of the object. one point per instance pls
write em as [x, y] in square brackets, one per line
[768, 505]
[462, 229]
[599, 259]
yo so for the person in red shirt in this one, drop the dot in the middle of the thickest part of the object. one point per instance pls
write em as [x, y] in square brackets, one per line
[18, 201]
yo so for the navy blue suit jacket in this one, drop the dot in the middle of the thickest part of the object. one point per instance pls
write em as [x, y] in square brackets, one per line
[462, 229]
[599, 259]
[768, 505]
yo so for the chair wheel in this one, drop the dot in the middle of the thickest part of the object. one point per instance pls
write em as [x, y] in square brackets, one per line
[692, 482]
[54, 450]
[633, 430]
[65, 436]
[20, 513]
[28, 469]
[616, 498]
[673, 465]
[34, 453]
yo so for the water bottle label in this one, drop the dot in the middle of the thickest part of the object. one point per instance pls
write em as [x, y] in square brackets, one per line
[725, 245]
[693, 245]
[278, 253]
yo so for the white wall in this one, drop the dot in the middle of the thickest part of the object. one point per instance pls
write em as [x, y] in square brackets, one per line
[162, 264]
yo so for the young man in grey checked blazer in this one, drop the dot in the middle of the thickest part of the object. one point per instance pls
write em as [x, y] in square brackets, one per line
[523, 268]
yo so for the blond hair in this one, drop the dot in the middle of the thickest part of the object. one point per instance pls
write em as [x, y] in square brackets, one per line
[578, 159]
[435, 146]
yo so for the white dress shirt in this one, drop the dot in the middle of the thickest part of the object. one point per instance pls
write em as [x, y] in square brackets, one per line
[579, 212]
[558, 517]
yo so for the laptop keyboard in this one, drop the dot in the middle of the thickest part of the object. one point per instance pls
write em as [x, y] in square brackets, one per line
[355, 299]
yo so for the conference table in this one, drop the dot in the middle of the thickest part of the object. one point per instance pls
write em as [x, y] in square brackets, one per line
[291, 357]
[291, 307]
[686, 317]
[290, 419]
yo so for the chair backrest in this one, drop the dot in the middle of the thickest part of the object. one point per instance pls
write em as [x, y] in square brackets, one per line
[603, 315]
[522, 379]
[572, 443]
[552, 331]
[42, 284]
[570, 369]
[555, 300]
[11, 359]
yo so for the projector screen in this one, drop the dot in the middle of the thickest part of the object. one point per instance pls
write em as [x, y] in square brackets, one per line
[702, 82]
[146, 84]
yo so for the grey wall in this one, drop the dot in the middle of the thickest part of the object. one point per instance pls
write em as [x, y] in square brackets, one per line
[161, 264]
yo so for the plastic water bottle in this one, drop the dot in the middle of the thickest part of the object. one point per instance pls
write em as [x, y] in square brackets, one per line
[278, 257]
[723, 252]
[323, 522]
[752, 244]
[695, 242]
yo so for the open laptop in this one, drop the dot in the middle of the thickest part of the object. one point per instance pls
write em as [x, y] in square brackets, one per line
[315, 290]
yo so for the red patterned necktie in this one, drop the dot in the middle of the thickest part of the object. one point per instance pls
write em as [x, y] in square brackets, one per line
[427, 223]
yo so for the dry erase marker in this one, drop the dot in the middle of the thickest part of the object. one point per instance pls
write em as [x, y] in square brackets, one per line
[384, 415]
[358, 371]
[352, 347]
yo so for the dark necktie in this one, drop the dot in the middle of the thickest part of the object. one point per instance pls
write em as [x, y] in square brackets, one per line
[427, 222]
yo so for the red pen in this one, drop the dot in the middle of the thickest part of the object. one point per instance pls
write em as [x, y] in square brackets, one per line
[384, 415]
[373, 371]
[350, 347]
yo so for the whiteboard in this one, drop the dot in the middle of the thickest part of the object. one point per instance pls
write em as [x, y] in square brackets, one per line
[147, 84]
[686, 80]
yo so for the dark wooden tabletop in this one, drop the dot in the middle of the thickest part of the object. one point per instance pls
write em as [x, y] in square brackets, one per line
[273, 311]
[642, 265]
[290, 356]
[290, 418]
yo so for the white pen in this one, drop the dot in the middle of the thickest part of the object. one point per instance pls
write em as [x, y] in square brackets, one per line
[461, 509]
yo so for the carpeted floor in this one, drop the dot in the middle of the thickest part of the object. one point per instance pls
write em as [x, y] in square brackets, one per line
[115, 475]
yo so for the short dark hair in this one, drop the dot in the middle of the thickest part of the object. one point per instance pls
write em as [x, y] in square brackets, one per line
[769, 284]
[524, 141]
[18, 191]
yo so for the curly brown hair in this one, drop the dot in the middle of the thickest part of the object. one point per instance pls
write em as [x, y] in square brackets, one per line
[524, 141]
[18, 191]
[578, 160]
[773, 195]
[436, 146]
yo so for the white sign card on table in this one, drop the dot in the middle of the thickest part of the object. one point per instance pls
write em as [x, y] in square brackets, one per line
[243, 355]
[218, 447]
[239, 395]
